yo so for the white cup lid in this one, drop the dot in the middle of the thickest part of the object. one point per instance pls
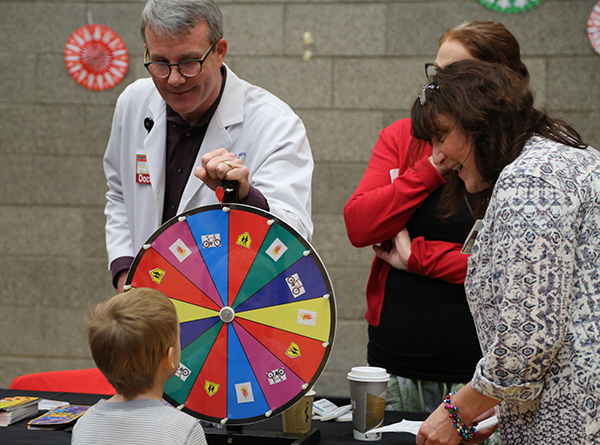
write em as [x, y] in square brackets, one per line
[368, 374]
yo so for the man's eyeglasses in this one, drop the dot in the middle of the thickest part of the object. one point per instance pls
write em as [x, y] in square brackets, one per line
[430, 71]
[423, 90]
[187, 68]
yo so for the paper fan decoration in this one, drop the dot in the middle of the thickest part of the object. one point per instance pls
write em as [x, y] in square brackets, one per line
[96, 57]
[510, 6]
[593, 28]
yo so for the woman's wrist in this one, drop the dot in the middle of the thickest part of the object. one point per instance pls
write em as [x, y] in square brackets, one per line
[464, 429]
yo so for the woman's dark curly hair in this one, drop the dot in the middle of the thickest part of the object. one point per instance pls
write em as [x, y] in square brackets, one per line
[494, 109]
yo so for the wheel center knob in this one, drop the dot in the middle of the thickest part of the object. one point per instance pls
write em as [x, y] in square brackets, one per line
[227, 314]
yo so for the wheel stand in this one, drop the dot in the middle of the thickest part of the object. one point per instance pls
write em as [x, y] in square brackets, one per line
[234, 435]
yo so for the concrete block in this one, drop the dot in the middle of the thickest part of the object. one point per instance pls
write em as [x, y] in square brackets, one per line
[54, 282]
[137, 70]
[93, 138]
[55, 85]
[299, 84]
[331, 384]
[124, 18]
[11, 367]
[552, 28]
[254, 29]
[571, 83]
[333, 184]
[43, 332]
[55, 129]
[18, 85]
[337, 29]
[13, 115]
[586, 124]
[342, 136]
[392, 84]
[32, 26]
[331, 242]
[387, 84]
[73, 180]
[537, 67]
[414, 28]
[390, 117]
[58, 231]
[349, 285]
[350, 346]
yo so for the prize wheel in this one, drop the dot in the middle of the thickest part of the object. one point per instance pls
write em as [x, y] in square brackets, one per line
[255, 305]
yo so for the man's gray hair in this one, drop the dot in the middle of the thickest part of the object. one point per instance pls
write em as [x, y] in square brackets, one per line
[176, 18]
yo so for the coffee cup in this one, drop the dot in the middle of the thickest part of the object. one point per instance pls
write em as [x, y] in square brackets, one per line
[298, 418]
[368, 385]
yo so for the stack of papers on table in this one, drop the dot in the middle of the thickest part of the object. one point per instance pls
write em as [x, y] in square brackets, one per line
[324, 410]
[13, 409]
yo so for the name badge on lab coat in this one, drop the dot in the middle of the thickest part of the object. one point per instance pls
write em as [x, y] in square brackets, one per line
[142, 174]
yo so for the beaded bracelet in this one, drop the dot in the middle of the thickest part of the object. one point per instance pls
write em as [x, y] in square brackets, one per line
[464, 431]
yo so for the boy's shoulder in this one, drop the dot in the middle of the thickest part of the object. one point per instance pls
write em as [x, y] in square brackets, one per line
[148, 419]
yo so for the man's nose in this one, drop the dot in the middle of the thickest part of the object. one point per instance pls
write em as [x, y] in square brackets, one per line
[175, 78]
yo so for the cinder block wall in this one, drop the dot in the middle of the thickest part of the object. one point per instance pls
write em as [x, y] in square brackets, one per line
[366, 67]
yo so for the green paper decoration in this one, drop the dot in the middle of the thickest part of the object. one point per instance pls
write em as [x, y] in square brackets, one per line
[510, 6]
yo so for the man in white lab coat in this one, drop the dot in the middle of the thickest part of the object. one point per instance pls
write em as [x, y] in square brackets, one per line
[196, 116]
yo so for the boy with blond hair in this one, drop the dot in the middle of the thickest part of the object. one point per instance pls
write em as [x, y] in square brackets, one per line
[134, 339]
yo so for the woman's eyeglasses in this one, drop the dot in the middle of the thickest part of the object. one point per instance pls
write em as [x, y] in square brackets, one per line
[430, 71]
[423, 90]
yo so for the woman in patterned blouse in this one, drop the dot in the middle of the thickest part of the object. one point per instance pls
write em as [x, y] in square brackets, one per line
[533, 281]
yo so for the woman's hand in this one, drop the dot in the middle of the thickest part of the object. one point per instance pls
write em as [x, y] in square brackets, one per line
[438, 428]
[398, 255]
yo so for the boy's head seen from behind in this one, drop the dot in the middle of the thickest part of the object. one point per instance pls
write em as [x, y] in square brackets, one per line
[129, 336]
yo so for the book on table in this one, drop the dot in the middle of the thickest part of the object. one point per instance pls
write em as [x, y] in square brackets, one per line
[59, 417]
[13, 409]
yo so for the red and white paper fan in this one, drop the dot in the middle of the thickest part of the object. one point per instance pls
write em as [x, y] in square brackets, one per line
[593, 28]
[96, 57]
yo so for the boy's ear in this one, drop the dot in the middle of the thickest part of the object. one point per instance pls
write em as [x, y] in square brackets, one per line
[168, 361]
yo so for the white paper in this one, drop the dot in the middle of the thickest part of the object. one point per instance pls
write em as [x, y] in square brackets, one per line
[336, 413]
[406, 426]
[45, 404]
[412, 426]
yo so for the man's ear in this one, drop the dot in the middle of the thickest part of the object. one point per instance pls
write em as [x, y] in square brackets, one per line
[221, 50]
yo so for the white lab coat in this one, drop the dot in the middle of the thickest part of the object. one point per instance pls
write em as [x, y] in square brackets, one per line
[259, 128]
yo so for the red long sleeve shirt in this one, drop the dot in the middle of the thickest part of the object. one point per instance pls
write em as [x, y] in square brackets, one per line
[392, 188]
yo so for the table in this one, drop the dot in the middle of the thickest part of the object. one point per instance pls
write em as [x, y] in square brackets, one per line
[331, 433]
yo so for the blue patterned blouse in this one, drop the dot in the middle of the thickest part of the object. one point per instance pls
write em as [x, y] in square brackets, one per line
[533, 287]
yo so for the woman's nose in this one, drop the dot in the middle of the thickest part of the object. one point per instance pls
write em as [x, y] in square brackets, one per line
[438, 156]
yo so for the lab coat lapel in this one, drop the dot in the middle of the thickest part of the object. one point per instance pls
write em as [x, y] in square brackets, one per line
[155, 148]
[230, 111]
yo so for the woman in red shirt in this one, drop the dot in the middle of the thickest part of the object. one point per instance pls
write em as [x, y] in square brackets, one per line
[415, 289]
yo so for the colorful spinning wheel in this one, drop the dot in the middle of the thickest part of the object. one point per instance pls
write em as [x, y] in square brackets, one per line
[256, 308]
